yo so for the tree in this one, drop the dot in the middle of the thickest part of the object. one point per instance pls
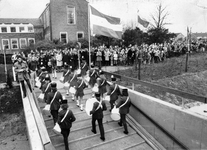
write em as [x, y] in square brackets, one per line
[160, 17]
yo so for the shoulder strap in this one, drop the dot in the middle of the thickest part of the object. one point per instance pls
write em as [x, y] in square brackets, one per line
[72, 77]
[84, 65]
[53, 97]
[114, 89]
[92, 73]
[103, 82]
[125, 102]
[100, 105]
[80, 84]
[47, 87]
[67, 73]
[65, 115]
[40, 74]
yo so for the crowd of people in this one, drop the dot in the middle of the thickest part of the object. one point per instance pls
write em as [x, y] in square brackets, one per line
[75, 79]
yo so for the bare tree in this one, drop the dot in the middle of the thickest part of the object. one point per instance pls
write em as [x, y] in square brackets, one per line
[160, 17]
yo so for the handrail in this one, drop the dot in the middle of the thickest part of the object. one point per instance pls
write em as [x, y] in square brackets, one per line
[33, 132]
[159, 87]
[39, 122]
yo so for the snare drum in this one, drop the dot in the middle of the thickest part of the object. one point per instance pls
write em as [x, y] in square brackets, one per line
[115, 114]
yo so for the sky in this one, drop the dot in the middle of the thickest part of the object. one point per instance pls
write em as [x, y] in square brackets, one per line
[182, 13]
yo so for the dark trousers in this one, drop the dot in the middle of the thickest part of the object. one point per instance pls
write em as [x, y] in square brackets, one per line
[123, 121]
[100, 124]
[65, 133]
[54, 114]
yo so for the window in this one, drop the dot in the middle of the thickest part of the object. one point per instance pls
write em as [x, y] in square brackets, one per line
[63, 37]
[31, 41]
[14, 44]
[5, 44]
[80, 35]
[70, 15]
[3, 29]
[30, 29]
[23, 43]
[13, 29]
[21, 29]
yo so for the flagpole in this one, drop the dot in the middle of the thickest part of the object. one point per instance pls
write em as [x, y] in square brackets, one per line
[89, 36]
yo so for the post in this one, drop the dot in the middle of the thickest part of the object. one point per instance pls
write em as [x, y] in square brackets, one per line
[186, 62]
[139, 68]
[4, 50]
[89, 37]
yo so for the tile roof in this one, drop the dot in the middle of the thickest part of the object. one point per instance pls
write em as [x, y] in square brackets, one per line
[34, 21]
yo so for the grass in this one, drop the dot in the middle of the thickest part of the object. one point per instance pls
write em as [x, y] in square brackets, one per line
[2, 72]
[171, 73]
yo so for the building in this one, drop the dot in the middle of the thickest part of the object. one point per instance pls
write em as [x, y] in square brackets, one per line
[16, 33]
[63, 20]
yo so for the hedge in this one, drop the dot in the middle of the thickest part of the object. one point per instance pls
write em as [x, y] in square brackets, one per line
[8, 58]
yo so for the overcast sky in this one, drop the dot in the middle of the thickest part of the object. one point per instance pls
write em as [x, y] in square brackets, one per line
[182, 13]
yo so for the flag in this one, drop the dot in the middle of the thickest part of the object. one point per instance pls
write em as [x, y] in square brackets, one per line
[144, 23]
[102, 24]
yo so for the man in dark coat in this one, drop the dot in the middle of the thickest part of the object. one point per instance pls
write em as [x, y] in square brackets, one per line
[123, 103]
[65, 119]
[46, 88]
[114, 92]
[21, 70]
[54, 98]
[97, 114]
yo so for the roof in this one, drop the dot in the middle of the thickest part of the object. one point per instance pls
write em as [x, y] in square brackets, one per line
[199, 35]
[34, 21]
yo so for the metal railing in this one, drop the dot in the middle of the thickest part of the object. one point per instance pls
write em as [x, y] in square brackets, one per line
[133, 81]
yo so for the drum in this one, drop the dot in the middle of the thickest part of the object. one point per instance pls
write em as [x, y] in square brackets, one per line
[72, 90]
[38, 84]
[61, 79]
[107, 98]
[78, 71]
[89, 105]
[95, 88]
[57, 128]
[37, 79]
[115, 114]
[41, 96]
[46, 109]
[66, 85]
[87, 78]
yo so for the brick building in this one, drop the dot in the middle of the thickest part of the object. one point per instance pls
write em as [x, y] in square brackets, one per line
[16, 33]
[63, 20]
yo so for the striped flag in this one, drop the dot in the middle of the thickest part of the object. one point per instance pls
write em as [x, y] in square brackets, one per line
[143, 22]
[102, 24]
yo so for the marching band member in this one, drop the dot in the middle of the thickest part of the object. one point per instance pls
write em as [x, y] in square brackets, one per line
[32, 64]
[72, 81]
[123, 103]
[84, 67]
[102, 83]
[97, 114]
[54, 98]
[66, 74]
[21, 69]
[114, 92]
[53, 66]
[46, 88]
[66, 123]
[93, 74]
[80, 86]
[42, 76]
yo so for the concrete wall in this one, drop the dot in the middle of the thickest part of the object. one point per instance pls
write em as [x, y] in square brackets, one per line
[190, 129]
